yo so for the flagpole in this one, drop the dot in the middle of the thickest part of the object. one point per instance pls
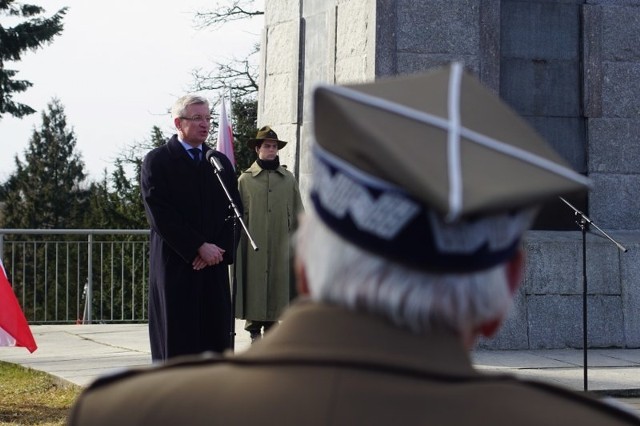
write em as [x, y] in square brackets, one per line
[225, 145]
[225, 133]
[230, 112]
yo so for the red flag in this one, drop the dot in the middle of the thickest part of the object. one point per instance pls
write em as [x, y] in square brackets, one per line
[14, 329]
[225, 135]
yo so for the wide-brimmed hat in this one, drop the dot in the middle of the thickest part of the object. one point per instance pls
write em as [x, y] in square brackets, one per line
[265, 133]
[433, 169]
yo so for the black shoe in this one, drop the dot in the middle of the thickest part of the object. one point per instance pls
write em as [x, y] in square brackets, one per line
[255, 336]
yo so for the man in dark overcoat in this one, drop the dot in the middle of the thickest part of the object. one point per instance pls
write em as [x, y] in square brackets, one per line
[191, 240]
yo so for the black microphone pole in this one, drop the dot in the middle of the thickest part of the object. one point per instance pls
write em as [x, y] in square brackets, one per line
[217, 168]
[583, 221]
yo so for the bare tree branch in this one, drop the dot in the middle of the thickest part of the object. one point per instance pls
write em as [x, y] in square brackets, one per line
[224, 12]
[238, 75]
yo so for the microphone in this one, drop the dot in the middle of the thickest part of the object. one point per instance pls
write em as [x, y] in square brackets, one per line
[211, 158]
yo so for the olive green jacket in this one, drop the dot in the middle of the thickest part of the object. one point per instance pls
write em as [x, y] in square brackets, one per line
[272, 203]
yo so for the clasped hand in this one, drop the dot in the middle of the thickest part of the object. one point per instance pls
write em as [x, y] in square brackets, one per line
[208, 254]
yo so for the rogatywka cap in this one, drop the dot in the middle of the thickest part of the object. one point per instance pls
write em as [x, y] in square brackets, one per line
[433, 170]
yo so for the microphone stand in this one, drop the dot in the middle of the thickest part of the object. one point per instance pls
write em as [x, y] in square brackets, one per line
[583, 222]
[236, 218]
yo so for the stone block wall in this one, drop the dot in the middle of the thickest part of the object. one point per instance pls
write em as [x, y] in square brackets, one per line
[571, 67]
[612, 108]
[305, 43]
[548, 309]
[280, 56]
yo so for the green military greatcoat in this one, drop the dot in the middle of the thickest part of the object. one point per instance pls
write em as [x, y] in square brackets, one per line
[271, 200]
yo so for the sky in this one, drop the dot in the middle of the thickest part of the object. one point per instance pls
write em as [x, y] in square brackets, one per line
[117, 68]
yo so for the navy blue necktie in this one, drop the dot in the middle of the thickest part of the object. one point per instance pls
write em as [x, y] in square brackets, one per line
[195, 153]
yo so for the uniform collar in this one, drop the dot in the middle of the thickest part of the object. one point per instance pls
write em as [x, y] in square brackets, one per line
[255, 169]
[311, 332]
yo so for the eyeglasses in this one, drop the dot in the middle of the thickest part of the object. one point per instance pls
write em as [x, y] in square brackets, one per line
[199, 119]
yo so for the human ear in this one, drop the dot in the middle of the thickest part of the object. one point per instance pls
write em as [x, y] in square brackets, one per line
[302, 284]
[515, 271]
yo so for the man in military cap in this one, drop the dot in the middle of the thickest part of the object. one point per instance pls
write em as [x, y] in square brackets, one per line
[423, 188]
[272, 203]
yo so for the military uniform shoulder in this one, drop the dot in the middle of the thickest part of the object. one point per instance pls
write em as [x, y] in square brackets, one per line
[253, 168]
[286, 171]
[174, 364]
[575, 404]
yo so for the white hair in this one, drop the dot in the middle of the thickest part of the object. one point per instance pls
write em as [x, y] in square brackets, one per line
[341, 273]
[179, 108]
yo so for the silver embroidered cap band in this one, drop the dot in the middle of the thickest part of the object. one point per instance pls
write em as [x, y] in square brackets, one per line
[433, 169]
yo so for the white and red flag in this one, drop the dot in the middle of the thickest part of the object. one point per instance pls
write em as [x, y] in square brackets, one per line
[225, 134]
[14, 329]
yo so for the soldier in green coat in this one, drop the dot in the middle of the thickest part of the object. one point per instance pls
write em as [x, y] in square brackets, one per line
[272, 202]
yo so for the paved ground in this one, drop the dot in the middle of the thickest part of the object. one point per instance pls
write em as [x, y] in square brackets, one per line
[80, 353]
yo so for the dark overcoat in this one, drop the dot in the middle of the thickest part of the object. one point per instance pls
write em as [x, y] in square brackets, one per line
[189, 311]
[325, 366]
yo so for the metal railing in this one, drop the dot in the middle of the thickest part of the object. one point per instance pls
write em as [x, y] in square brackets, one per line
[78, 275]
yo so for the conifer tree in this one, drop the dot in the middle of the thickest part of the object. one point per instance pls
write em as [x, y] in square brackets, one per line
[46, 191]
[245, 115]
[27, 35]
[116, 202]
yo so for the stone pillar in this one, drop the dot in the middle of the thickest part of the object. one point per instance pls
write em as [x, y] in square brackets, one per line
[612, 108]
[279, 97]
[571, 67]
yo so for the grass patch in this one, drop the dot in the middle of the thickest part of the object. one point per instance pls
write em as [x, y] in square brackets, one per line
[30, 397]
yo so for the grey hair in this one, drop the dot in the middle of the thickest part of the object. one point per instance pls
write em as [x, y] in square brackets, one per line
[179, 108]
[341, 273]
